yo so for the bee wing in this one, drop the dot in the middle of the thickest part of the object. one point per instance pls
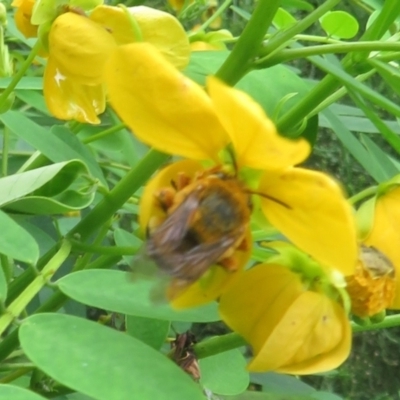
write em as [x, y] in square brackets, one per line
[191, 265]
[171, 232]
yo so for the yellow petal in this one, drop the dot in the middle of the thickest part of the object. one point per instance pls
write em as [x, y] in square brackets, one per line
[385, 233]
[67, 99]
[309, 208]
[149, 207]
[163, 108]
[177, 4]
[157, 27]
[23, 16]
[331, 330]
[310, 328]
[255, 139]
[80, 48]
[266, 288]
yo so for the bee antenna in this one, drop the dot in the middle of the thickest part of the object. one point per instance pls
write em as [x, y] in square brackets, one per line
[231, 153]
[270, 198]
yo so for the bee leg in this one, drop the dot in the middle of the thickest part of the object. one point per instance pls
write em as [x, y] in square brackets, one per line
[181, 182]
[229, 263]
[244, 245]
[165, 197]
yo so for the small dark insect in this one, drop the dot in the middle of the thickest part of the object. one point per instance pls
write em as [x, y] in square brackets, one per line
[183, 355]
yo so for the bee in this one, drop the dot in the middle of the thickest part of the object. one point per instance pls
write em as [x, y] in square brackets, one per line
[206, 223]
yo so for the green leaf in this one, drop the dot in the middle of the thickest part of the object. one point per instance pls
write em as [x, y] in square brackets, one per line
[41, 229]
[9, 392]
[17, 242]
[389, 73]
[224, 373]
[339, 24]
[357, 86]
[272, 382]
[151, 331]
[325, 396]
[391, 137]
[283, 19]
[265, 396]
[34, 99]
[389, 169]
[57, 145]
[101, 362]
[123, 238]
[26, 83]
[3, 285]
[239, 11]
[297, 4]
[45, 190]
[114, 291]
[355, 148]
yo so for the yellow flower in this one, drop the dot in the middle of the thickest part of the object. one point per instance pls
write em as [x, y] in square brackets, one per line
[175, 115]
[291, 328]
[79, 48]
[379, 219]
[372, 287]
[172, 113]
[23, 16]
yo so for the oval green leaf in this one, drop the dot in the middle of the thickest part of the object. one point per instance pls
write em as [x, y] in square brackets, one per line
[115, 291]
[224, 373]
[9, 392]
[17, 242]
[151, 331]
[101, 362]
[339, 24]
[283, 19]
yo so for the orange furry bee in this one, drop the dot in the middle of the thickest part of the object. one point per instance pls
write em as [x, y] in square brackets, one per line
[206, 221]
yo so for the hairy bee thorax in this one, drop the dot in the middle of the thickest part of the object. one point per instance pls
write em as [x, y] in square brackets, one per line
[221, 214]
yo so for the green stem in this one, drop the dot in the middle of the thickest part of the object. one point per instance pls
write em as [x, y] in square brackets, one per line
[218, 345]
[15, 375]
[104, 133]
[326, 86]
[334, 97]
[388, 57]
[293, 54]
[114, 165]
[6, 267]
[13, 366]
[110, 250]
[19, 304]
[371, 191]
[52, 304]
[4, 160]
[119, 195]
[391, 321]
[286, 35]
[17, 77]
[247, 47]
[217, 13]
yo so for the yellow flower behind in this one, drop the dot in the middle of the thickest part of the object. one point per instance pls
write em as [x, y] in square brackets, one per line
[291, 328]
[379, 219]
[79, 48]
[23, 16]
